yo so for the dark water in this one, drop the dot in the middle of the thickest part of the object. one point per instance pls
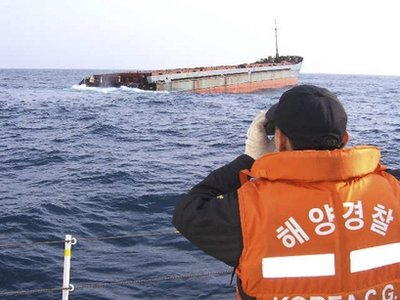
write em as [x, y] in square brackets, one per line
[99, 163]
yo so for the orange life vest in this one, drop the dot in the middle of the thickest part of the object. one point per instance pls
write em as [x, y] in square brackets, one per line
[320, 225]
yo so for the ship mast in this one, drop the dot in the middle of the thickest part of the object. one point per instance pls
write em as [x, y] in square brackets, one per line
[276, 40]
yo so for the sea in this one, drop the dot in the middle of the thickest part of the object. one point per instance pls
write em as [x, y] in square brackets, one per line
[107, 165]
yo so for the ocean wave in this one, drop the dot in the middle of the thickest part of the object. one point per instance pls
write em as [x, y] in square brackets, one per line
[27, 160]
[107, 90]
[112, 162]
[110, 177]
[136, 90]
[83, 87]
[104, 129]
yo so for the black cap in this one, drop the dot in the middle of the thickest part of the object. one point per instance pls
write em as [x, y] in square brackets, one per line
[307, 113]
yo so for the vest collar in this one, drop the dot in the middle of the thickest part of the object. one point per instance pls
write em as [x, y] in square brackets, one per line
[312, 165]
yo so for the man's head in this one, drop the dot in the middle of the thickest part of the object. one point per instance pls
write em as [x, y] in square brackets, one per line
[310, 117]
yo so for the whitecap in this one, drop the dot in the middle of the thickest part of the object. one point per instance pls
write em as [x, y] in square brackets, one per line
[106, 90]
[136, 90]
[83, 87]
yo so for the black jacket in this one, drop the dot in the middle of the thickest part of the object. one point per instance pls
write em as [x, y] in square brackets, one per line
[208, 215]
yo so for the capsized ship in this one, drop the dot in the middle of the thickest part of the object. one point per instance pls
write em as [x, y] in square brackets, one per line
[272, 72]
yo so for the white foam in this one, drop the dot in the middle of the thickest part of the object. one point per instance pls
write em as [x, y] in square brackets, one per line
[106, 90]
[136, 90]
[83, 87]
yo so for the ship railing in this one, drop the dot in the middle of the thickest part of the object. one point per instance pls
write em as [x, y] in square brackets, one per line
[69, 241]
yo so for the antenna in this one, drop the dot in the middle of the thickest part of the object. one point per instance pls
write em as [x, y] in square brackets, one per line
[276, 40]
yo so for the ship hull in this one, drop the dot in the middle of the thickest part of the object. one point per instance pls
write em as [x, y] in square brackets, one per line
[251, 87]
[241, 81]
[204, 80]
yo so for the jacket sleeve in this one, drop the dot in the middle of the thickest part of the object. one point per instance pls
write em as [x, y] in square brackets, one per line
[395, 173]
[208, 215]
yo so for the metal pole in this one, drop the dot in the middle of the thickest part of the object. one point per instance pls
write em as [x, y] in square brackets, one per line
[276, 40]
[67, 287]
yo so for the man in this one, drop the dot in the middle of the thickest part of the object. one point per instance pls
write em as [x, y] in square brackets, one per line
[311, 218]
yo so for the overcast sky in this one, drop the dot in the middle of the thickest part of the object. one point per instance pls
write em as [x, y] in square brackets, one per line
[341, 36]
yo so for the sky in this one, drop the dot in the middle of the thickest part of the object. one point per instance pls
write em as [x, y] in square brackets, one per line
[334, 37]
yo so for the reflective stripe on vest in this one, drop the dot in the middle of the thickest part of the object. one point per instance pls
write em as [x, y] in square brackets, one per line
[374, 257]
[299, 266]
[324, 264]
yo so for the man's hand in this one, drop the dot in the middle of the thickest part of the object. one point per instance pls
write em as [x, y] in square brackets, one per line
[257, 142]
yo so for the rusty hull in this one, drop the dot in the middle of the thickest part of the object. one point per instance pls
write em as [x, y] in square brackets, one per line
[243, 78]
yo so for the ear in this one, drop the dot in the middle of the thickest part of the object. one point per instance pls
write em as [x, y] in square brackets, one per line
[282, 142]
[346, 138]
